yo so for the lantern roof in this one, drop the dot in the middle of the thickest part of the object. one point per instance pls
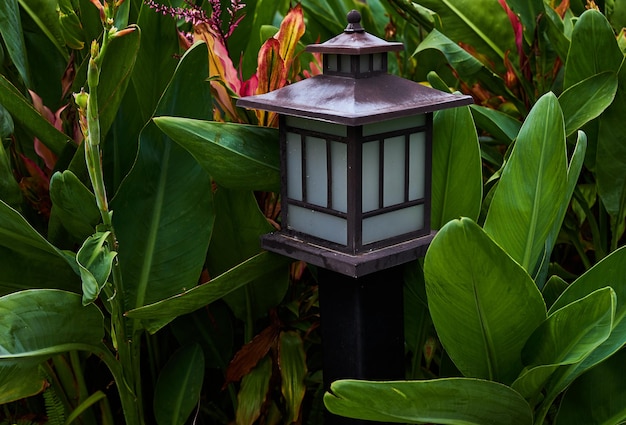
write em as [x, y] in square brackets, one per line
[346, 100]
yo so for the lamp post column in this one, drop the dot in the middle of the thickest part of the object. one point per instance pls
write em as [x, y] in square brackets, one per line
[362, 328]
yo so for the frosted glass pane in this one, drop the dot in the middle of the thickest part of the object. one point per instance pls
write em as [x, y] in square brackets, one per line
[393, 223]
[393, 174]
[316, 172]
[417, 154]
[395, 124]
[331, 61]
[318, 224]
[320, 126]
[371, 167]
[378, 61]
[339, 170]
[345, 63]
[294, 166]
[364, 63]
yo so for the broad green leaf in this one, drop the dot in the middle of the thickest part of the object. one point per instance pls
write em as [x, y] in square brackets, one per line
[483, 304]
[587, 99]
[253, 391]
[468, 67]
[163, 212]
[23, 113]
[9, 189]
[593, 49]
[608, 272]
[44, 14]
[73, 205]
[237, 156]
[36, 324]
[155, 316]
[178, 388]
[453, 401]
[502, 127]
[28, 260]
[12, 35]
[239, 224]
[597, 396]
[564, 338]
[553, 289]
[611, 157]
[95, 261]
[293, 370]
[532, 188]
[457, 187]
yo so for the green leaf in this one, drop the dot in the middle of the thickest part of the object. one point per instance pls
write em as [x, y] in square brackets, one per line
[35, 325]
[528, 13]
[44, 14]
[587, 99]
[163, 212]
[293, 370]
[457, 187]
[483, 304]
[237, 156]
[596, 397]
[178, 388]
[499, 125]
[532, 188]
[73, 205]
[593, 49]
[454, 401]
[254, 387]
[27, 259]
[155, 316]
[9, 189]
[23, 113]
[12, 35]
[566, 337]
[95, 261]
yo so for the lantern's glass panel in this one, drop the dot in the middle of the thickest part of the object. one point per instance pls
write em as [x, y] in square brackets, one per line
[319, 126]
[316, 171]
[318, 224]
[370, 177]
[393, 171]
[294, 166]
[395, 124]
[345, 63]
[364, 63]
[391, 224]
[339, 176]
[378, 61]
[331, 62]
[417, 166]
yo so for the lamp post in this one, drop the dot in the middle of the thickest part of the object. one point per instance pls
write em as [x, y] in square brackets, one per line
[355, 148]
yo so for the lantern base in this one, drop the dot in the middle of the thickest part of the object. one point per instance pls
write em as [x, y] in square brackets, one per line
[350, 265]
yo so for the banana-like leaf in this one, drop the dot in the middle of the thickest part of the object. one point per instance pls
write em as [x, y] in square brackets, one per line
[593, 49]
[566, 337]
[532, 188]
[155, 316]
[25, 114]
[457, 188]
[236, 156]
[13, 36]
[292, 365]
[483, 304]
[37, 324]
[163, 212]
[27, 259]
[451, 401]
[9, 189]
[178, 388]
[587, 99]
[46, 17]
[501, 126]
[596, 397]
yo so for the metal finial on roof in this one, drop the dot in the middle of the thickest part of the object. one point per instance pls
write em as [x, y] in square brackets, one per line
[354, 22]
